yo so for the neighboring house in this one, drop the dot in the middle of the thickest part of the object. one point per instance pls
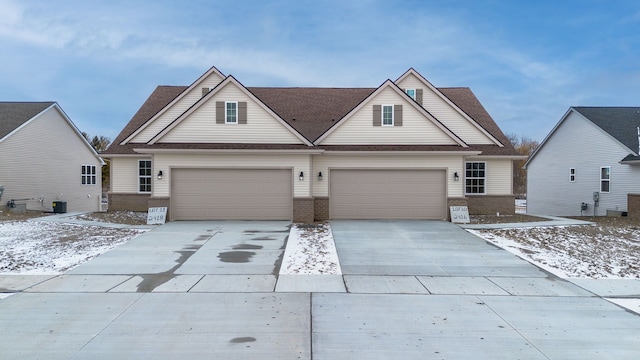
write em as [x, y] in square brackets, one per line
[219, 150]
[591, 149]
[44, 158]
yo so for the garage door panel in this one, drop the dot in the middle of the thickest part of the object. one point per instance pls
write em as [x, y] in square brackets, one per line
[246, 194]
[387, 194]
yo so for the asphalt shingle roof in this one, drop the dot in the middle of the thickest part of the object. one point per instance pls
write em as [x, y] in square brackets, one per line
[620, 122]
[14, 114]
[311, 112]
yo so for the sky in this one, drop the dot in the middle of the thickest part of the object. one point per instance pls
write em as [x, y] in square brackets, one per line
[526, 61]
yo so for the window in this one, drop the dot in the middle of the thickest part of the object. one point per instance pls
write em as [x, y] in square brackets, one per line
[231, 112]
[144, 176]
[475, 176]
[88, 174]
[605, 179]
[572, 174]
[387, 115]
[412, 93]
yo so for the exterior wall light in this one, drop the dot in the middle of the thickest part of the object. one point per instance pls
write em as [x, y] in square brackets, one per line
[320, 176]
[160, 175]
[455, 176]
[301, 176]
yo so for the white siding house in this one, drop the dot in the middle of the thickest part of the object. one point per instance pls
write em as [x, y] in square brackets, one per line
[219, 150]
[44, 158]
[591, 149]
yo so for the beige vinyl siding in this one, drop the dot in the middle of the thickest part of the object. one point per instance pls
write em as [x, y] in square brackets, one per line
[322, 163]
[415, 129]
[124, 174]
[43, 160]
[444, 112]
[178, 108]
[201, 127]
[299, 163]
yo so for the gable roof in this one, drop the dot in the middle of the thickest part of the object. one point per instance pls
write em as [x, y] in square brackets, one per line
[15, 114]
[621, 123]
[311, 112]
[228, 80]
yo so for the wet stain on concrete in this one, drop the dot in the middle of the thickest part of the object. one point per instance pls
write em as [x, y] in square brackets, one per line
[269, 231]
[236, 256]
[241, 340]
[247, 247]
[278, 264]
[151, 281]
[263, 238]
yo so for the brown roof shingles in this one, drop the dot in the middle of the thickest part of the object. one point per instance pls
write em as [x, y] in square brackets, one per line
[311, 112]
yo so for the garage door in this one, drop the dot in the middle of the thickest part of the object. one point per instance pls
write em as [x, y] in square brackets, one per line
[231, 194]
[387, 194]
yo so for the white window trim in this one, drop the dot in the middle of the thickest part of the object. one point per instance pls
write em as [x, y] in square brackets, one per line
[484, 178]
[572, 175]
[89, 176]
[414, 93]
[150, 176]
[226, 112]
[607, 180]
[382, 115]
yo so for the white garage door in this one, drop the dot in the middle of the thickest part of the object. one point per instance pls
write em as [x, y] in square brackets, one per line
[231, 194]
[387, 194]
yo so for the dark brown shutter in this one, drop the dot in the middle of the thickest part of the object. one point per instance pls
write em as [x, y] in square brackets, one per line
[397, 115]
[419, 96]
[377, 115]
[220, 112]
[205, 91]
[242, 112]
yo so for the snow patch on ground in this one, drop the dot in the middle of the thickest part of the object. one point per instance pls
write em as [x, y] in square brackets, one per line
[310, 251]
[51, 248]
[574, 251]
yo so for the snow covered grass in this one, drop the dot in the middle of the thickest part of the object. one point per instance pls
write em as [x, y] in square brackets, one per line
[606, 250]
[42, 247]
[310, 251]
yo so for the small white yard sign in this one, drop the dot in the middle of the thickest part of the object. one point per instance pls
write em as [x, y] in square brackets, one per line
[459, 214]
[156, 215]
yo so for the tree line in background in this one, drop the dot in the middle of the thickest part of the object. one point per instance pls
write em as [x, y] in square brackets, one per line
[524, 145]
[100, 144]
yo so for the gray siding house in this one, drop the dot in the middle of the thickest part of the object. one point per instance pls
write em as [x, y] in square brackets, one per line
[44, 158]
[590, 150]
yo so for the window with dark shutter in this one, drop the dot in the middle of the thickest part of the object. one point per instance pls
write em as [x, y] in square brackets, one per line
[219, 112]
[242, 112]
[419, 96]
[377, 115]
[397, 115]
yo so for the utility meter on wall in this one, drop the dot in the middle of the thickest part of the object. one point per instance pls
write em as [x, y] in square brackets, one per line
[596, 198]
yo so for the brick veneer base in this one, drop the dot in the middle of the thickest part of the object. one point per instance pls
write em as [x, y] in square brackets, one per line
[633, 206]
[491, 204]
[321, 208]
[129, 202]
[303, 209]
[160, 202]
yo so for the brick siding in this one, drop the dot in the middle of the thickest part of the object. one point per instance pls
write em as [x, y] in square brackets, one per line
[303, 210]
[491, 204]
[633, 206]
[129, 202]
[321, 208]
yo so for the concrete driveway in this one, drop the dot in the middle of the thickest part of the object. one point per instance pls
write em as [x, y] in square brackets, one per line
[414, 290]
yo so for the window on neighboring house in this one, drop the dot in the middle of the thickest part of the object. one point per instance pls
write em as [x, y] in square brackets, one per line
[231, 112]
[475, 177]
[88, 174]
[605, 179]
[572, 174]
[144, 176]
[387, 115]
[412, 93]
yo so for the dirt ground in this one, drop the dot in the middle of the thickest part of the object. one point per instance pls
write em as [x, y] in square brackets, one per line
[116, 217]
